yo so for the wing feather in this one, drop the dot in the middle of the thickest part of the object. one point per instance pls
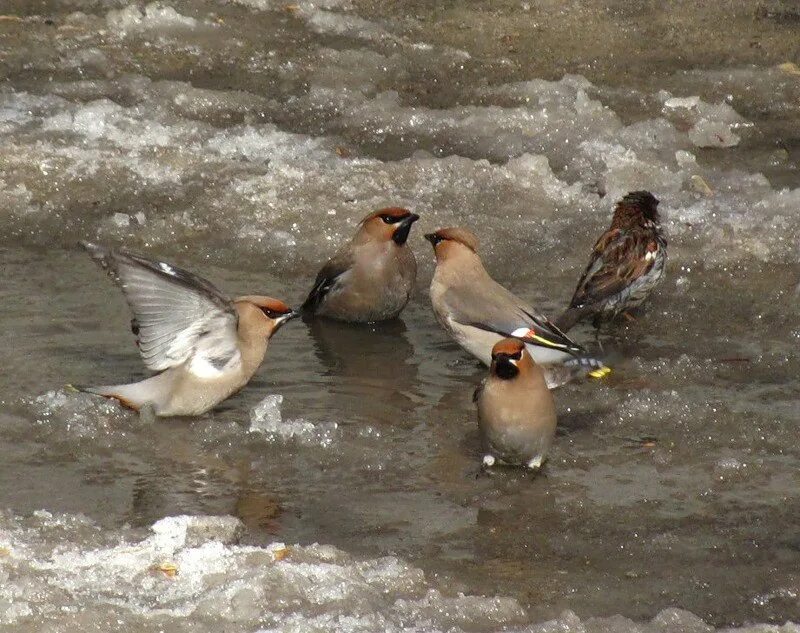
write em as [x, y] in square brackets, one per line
[618, 259]
[489, 306]
[328, 279]
[177, 316]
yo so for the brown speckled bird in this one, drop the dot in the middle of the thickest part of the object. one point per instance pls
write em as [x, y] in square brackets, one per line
[205, 345]
[372, 276]
[627, 262]
[516, 412]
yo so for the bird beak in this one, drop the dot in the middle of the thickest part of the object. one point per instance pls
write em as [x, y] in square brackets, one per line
[400, 234]
[292, 314]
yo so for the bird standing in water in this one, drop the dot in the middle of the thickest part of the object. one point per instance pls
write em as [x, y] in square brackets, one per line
[205, 345]
[372, 276]
[627, 262]
[478, 312]
[516, 412]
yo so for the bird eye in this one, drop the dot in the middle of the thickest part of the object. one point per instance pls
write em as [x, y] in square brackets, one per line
[272, 314]
[388, 219]
[517, 356]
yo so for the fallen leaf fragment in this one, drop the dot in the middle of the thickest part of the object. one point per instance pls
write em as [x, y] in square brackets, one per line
[168, 569]
[790, 68]
[701, 186]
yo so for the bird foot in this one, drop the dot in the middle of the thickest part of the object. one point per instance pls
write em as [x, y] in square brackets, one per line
[536, 463]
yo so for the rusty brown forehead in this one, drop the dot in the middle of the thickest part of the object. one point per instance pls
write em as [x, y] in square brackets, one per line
[276, 305]
[508, 346]
[460, 235]
[393, 212]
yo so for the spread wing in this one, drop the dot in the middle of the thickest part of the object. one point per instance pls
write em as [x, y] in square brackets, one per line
[489, 306]
[177, 316]
[328, 280]
[618, 259]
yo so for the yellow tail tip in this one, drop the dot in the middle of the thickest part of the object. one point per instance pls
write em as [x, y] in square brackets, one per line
[600, 372]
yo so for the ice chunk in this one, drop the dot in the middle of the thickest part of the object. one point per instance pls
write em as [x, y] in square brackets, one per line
[80, 415]
[193, 531]
[711, 133]
[266, 415]
[265, 418]
[154, 16]
[712, 124]
[121, 220]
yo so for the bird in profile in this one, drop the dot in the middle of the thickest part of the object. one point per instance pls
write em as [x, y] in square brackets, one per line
[516, 412]
[205, 346]
[627, 263]
[372, 276]
[478, 312]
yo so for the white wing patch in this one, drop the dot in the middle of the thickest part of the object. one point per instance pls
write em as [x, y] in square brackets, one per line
[522, 332]
[204, 367]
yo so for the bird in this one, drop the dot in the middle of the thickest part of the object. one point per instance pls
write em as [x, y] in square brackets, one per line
[372, 276]
[204, 346]
[478, 312]
[516, 411]
[627, 263]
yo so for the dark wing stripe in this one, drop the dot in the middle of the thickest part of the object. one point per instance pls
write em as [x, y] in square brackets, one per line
[541, 341]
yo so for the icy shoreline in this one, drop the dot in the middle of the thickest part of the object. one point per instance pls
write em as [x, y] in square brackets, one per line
[191, 573]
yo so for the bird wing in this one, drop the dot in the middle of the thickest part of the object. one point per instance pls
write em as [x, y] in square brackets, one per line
[328, 280]
[489, 306]
[618, 259]
[177, 316]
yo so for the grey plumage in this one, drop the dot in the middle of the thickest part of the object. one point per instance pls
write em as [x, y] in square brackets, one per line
[478, 312]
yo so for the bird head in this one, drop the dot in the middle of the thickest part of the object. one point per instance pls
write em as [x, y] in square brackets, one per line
[273, 312]
[509, 358]
[391, 223]
[445, 241]
[636, 207]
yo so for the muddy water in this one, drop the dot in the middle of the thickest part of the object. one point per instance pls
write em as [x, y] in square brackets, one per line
[245, 140]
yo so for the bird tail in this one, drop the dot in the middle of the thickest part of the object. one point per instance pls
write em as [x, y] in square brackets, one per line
[115, 392]
[591, 367]
[558, 374]
[571, 316]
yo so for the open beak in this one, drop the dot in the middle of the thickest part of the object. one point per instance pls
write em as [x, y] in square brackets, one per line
[400, 234]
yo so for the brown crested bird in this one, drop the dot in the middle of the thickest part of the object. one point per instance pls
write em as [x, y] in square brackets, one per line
[372, 276]
[627, 262]
[205, 346]
[516, 412]
[478, 312]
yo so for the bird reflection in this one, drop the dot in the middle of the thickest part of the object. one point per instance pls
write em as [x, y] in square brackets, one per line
[370, 369]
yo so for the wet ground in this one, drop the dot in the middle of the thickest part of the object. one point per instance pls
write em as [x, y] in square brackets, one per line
[244, 140]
